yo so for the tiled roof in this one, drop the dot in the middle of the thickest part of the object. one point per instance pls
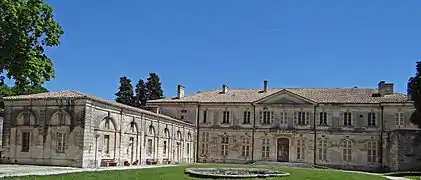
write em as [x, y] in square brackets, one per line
[319, 95]
[68, 94]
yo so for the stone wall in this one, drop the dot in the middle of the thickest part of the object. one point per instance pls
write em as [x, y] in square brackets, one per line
[404, 150]
[31, 132]
[127, 134]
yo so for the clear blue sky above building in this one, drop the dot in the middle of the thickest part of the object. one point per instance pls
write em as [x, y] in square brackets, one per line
[203, 44]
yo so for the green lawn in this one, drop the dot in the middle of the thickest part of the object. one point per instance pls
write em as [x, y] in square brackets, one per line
[177, 173]
[413, 177]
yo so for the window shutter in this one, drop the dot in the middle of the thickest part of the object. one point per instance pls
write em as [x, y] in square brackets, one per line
[318, 118]
[261, 117]
[354, 118]
[272, 117]
[341, 119]
[329, 118]
[295, 118]
[208, 116]
[307, 118]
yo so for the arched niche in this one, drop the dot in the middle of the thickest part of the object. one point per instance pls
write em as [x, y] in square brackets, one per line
[108, 124]
[189, 138]
[151, 131]
[166, 133]
[61, 118]
[26, 118]
[133, 127]
[179, 135]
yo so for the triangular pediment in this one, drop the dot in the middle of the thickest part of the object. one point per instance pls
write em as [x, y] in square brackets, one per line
[284, 97]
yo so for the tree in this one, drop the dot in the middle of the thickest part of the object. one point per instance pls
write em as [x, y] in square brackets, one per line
[27, 27]
[414, 92]
[140, 97]
[7, 91]
[125, 93]
[153, 86]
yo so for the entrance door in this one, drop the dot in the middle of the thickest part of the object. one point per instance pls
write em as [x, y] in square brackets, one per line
[283, 150]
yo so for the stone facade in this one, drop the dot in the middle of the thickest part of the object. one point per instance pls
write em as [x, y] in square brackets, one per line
[348, 128]
[72, 129]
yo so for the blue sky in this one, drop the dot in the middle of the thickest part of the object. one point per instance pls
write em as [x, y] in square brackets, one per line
[203, 44]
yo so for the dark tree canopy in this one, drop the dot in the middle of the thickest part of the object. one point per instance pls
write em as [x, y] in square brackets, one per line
[140, 97]
[27, 27]
[414, 92]
[125, 92]
[154, 88]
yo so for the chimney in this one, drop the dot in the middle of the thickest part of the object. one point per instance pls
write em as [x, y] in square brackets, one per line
[265, 86]
[180, 91]
[385, 88]
[224, 88]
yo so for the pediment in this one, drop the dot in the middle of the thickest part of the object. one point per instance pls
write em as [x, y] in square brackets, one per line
[284, 97]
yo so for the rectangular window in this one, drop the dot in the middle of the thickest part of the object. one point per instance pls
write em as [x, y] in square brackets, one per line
[323, 119]
[226, 117]
[246, 118]
[150, 147]
[25, 141]
[371, 121]
[347, 119]
[284, 118]
[372, 152]
[188, 148]
[205, 140]
[399, 119]
[265, 148]
[107, 143]
[245, 150]
[322, 151]
[164, 150]
[205, 116]
[267, 116]
[224, 146]
[204, 148]
[61, 142]
[301, 118]
[300, 149]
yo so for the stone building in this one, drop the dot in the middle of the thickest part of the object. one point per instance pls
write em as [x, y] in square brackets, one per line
[350, 128]
[73, 129]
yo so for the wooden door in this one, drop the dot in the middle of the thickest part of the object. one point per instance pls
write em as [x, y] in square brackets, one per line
[283, 150]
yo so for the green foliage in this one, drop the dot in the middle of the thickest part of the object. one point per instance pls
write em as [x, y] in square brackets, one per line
[144, 91]
[13, 91]
[27, 27]
[153, 86]
[140, 97]
[125, 93]
[414, 92]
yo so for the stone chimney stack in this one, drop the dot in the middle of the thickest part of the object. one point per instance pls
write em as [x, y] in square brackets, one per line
[224, 88]
[385, 88]
[180, 91]
[265, 86]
